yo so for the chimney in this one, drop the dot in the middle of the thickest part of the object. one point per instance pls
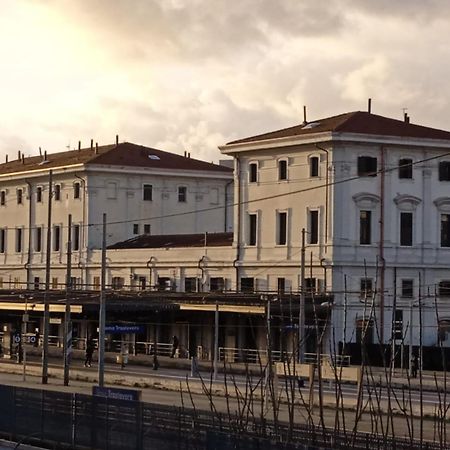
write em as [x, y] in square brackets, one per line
[406, 117]
[189, 154]
[19, 155]
[6, 158]
[304, 115]
[117, 139]
[40, 151]
[369, 106]
[92, 144]
[23, 158]
[185, 153]
[45, 155]
[96, 148]
[79, 145]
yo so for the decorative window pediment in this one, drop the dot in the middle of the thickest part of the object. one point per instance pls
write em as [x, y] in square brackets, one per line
[443, 204]
[366, 200]
[406, 202]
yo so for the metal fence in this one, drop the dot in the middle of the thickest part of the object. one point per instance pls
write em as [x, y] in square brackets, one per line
[65, 420]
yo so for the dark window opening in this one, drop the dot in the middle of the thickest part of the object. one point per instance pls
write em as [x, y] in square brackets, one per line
[37, 284]
[282, 228]
[190, 284]
[2, 240]
[314, 166]
[398, 324]
[252, 219]
[76, 190]
[19, 196]
[2, 198]
[366, 289]
[314, 227]
[406, 229]
[282, 170]
[247, 284]
[444, 289]
[281, 285]
[405, 168]
[364, 331]
[445, 230]
[164, 284]
[39, 194]
[182, 194]
[147, 192]
[56, 238]
[367, 166]
[147, 228]
[365, 227]
[217, 284]
[57, 194]
[253, 172]
[407, 288]
[310, 285]
[444, 171]
[117, 282]
[76, 237]
[38, 239]
[19, 240]
[135, 228]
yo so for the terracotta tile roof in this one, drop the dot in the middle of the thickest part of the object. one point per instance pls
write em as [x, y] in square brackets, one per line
[123, 154]
[354, 122]
[176, 240]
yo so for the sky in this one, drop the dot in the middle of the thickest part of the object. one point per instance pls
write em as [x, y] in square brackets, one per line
[194, 74]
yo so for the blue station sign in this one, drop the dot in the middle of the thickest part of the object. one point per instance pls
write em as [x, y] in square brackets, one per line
[124, 328]
[117, 393]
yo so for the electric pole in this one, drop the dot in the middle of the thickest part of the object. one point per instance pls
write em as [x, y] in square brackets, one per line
[102, 313]
[301, 313]
[47, 282]
[67, 319]
[216, 341]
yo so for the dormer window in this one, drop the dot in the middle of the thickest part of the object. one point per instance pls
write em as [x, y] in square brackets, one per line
[76, 190]
[282, 170]
[367, 166]
[314, 166]
[253, 172]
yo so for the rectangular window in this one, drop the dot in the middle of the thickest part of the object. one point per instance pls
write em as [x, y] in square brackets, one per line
[445, 230]
[444, 171]
[135, 228]
[57, 193]
[142, 283]
[76, 237]
[54, 283]
[282, 228]
[310, 285]
[56, 238]
[164, 284]
[19, 239]
[365, 219]
[2, 240]
[37, 284]
[252, 228]
[313, 227]
[314, 166]
[117, 282]
[39, 194]
[253, 172]
[147, 228]
[405, 168]
[366, 288]
[38, 239]
[147, 192]
[281, 285]
[367, 166]
[76, 190]
[19, 196]
[190, 284]
[444, 288]
[247, 284]
[398, 324]
[217, 284]
[111, 190]
[407, 288]
[96, 284]
[2, 198]
[406, 229]
[182, 194]
[282, 170]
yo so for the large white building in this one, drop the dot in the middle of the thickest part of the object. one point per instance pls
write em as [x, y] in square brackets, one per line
[142, 191]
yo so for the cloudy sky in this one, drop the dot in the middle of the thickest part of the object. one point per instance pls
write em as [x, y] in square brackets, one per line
[194, 74]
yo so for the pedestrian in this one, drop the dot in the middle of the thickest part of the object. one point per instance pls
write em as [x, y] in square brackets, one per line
[175, 343]
[90, 347]
[414, 364]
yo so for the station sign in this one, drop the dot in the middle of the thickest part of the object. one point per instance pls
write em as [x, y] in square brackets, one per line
[117, 393]
[124, 328]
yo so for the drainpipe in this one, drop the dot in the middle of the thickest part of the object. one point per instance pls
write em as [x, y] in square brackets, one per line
[200, 266]
[326, 193]
[226, 206]
[381, 243]
[238, 231]
[30, 207]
